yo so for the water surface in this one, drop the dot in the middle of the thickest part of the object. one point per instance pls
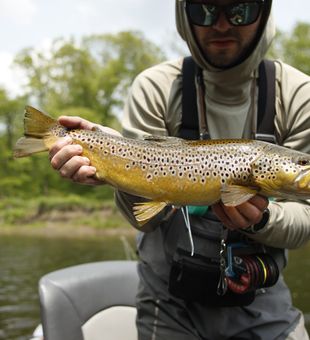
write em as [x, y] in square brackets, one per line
[23, 260]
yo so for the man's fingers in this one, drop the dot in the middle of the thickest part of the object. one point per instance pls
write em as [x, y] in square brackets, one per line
[237, 217]
[75, 122]
[242, 216]
[72, 122]
[67, 157]
[84, 173]
[260, 202]
[231, 217]
[253, 210]
[250, 213]
[61, 142]
[64, 155]
[221, 214]
[69, 168]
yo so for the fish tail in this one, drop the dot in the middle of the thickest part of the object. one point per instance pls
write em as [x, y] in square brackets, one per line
[27, 146]
[37, 131]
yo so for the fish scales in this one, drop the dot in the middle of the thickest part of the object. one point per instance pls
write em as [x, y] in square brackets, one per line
[166, 173]
[168, 170]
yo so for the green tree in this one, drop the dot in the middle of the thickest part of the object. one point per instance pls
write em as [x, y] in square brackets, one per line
[11, 123]
[10, 117]
[89, 79]
[297, 47]
[276, 49]
[293, 47]
[94, 74]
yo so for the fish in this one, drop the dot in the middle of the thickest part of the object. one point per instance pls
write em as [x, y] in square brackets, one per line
[170, 171]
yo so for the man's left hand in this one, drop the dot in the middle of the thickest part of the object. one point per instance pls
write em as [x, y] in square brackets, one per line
[242, 216]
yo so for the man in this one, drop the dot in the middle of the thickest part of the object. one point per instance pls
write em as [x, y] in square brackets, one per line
[228, 40]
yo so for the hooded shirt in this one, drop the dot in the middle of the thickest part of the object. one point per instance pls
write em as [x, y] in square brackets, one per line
[230, 93]
[154, 107]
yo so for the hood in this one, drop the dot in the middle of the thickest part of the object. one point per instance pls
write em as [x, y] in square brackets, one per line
[240, 72]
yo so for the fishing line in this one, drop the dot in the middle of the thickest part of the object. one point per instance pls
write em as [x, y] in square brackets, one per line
[188, 226]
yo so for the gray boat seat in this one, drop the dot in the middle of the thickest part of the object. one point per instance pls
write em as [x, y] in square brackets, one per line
[94, 301]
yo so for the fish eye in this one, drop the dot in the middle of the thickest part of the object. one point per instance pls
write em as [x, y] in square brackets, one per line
[303, 162]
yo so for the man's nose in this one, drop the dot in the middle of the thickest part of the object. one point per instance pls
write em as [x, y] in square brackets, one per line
[222, 24]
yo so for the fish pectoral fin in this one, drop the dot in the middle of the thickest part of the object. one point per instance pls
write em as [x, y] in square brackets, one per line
[233, 195]
[145, 211]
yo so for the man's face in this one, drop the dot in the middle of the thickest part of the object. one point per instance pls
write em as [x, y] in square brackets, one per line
[222, 43]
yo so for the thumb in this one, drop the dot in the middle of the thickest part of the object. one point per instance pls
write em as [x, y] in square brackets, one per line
[74, 122]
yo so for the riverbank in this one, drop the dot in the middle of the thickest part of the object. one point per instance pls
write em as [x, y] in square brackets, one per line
[56, 217]
[69, 231]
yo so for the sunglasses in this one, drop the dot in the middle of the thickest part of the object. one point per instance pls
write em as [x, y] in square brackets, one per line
[237, 14]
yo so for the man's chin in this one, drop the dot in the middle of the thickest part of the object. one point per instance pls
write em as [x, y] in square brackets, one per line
[222, 61]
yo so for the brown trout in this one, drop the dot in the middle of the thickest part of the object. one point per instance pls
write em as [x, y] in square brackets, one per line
[172, 171]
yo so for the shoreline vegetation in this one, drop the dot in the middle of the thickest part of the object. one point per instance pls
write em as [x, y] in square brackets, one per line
[67, 217]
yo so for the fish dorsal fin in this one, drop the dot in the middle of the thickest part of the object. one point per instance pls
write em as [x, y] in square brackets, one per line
[233, 195]
[167, 140]
[145, 211]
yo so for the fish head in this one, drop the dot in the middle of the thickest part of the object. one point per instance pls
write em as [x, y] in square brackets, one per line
[282, 172]
[302, 180]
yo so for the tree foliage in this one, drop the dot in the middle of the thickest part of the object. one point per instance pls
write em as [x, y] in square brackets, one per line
[94, 73]
[294, 47]
[89, 78]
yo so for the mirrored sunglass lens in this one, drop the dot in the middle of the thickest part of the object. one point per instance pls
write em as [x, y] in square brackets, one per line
[244, 13]
[201, 14]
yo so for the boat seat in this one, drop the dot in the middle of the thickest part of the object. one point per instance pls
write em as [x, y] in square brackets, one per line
[94, 301]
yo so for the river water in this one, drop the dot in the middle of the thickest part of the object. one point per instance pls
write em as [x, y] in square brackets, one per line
[23, 260]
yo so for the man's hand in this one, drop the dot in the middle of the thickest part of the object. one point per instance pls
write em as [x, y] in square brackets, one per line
[242, 216]
[67, 158]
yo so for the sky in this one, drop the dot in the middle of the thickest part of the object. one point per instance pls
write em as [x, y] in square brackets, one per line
[35, 23]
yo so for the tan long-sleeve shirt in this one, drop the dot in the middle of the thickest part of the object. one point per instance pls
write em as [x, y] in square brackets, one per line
[154, 107]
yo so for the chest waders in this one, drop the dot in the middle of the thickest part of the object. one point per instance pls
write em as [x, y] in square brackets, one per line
[198, 276]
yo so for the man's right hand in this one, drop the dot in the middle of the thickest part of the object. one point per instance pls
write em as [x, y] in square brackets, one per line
[67, 158]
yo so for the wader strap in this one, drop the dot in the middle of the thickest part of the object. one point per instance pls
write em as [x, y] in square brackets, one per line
[266, 102]
[265, 112]
[190, 124]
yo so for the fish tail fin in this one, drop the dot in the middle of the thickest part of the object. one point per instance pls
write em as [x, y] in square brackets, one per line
[27, 146]
[37, 126]
[36, 123]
